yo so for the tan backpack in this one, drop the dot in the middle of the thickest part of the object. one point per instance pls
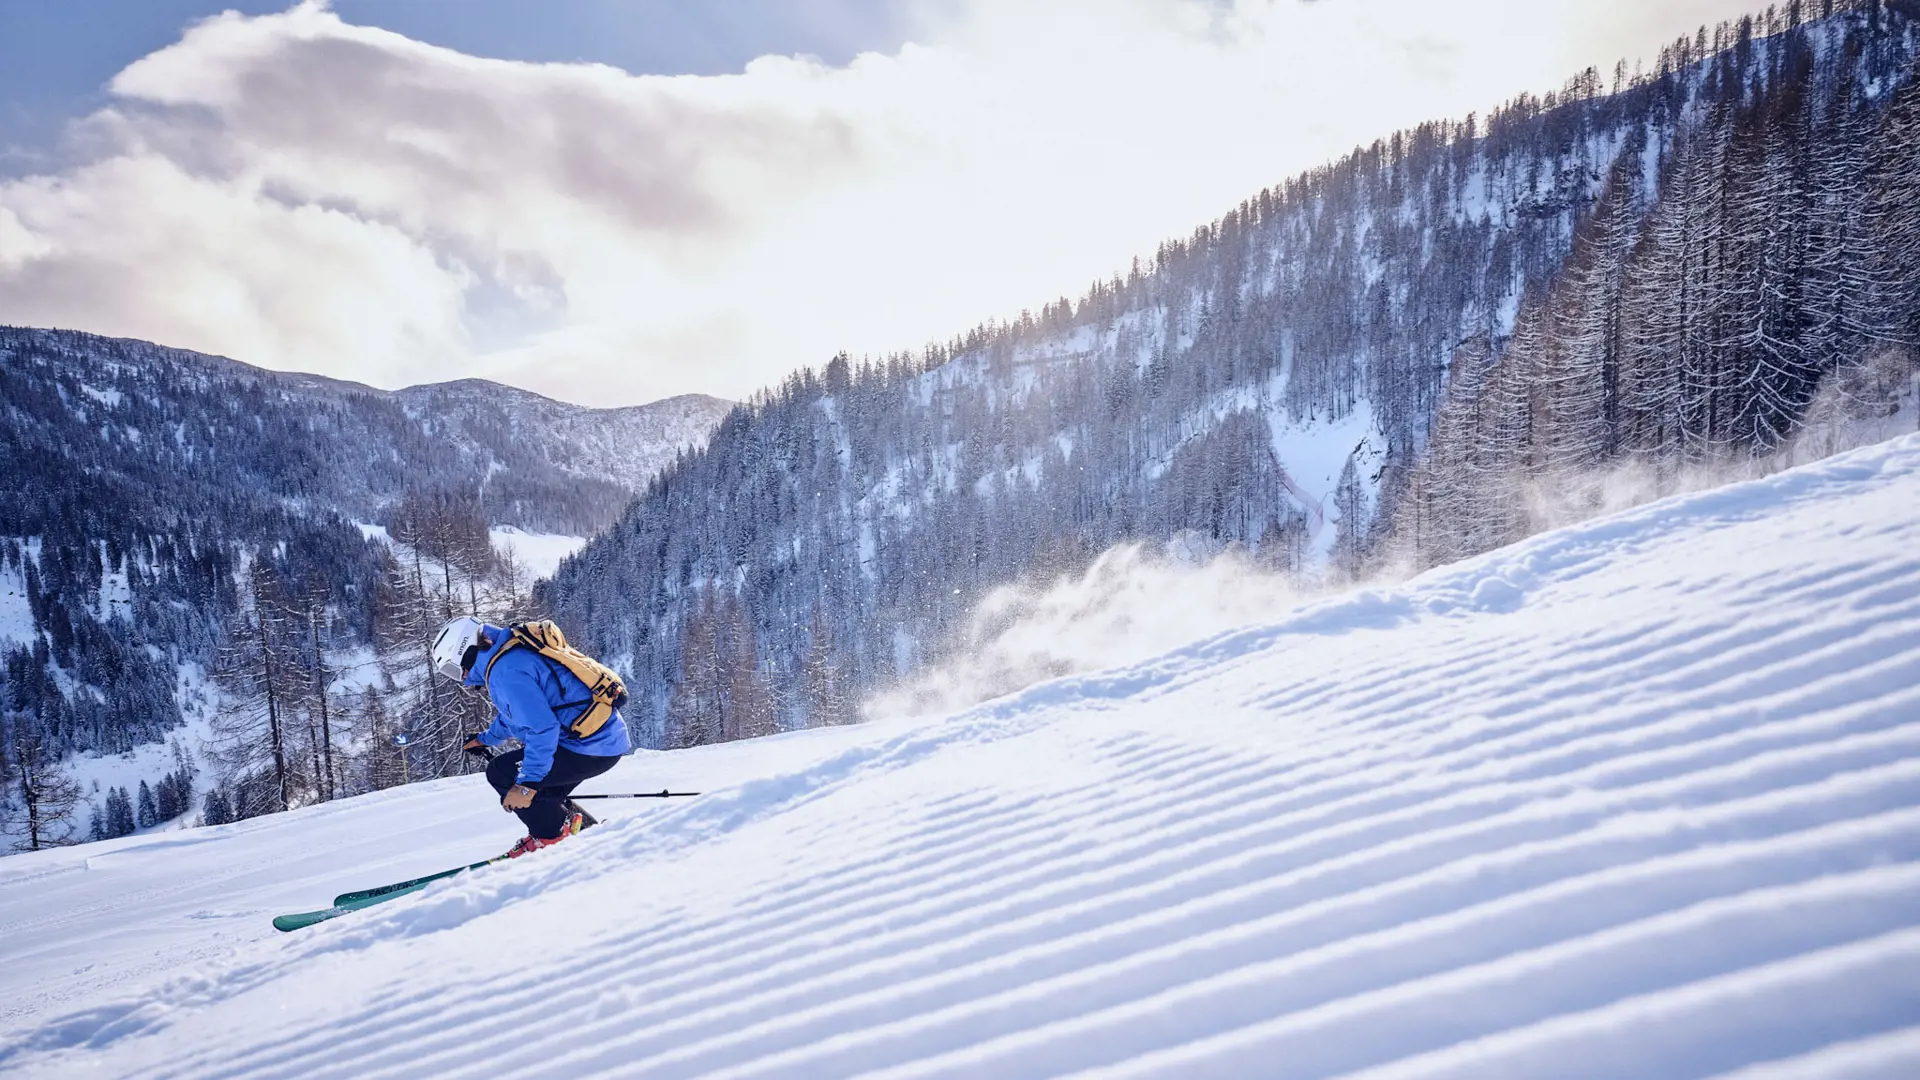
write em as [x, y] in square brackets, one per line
[608, 692]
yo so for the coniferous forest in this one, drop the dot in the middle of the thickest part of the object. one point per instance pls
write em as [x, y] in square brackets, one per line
[1386, 361]
[1663, 266]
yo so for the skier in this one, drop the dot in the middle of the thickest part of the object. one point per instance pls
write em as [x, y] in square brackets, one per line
[540, 699]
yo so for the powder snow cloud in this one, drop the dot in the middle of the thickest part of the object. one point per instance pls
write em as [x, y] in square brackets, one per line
[299, 192]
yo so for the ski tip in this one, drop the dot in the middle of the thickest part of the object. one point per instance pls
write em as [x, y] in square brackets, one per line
[301, 920]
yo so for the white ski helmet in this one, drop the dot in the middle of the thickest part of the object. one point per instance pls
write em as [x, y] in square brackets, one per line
[454, 648]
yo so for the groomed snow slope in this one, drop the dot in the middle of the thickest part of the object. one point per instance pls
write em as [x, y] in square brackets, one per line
[1637, 798]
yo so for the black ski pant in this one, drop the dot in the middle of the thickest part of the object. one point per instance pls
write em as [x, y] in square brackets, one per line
[547, 814]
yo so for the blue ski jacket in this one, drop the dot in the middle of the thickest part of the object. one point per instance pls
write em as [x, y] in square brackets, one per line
[526, 690]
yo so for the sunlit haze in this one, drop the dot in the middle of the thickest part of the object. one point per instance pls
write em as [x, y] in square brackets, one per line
[299, 192]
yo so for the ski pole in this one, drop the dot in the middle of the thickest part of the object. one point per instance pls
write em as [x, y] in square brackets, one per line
[662, 794]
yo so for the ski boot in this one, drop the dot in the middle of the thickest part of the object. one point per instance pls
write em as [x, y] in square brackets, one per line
[533, 843]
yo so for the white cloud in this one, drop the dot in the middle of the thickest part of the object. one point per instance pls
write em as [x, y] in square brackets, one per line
[295, 191]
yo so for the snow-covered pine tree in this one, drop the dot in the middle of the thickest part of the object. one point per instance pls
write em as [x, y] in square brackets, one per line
[218, 810]
[828, 698]
[173, 796]
[749, 703]
[1350, 536]
[695, 715]
[119, 813]
[166, 804]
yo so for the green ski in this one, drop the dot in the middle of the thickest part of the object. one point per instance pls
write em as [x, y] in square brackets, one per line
[308, 918]
[360, 898]
[408, 885]
[354, 901]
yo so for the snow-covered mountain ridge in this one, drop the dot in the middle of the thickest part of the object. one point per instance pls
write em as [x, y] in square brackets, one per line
[626, 444]
[494, 425]
[142, 482]
[1634, 798]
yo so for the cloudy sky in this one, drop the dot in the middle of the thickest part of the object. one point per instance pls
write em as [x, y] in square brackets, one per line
[612, 201]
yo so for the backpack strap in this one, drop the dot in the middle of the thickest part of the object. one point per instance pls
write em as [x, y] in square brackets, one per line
[518, 635]
[514, 637]
[559, 669]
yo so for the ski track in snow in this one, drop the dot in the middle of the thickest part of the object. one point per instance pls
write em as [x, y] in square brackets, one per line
[1636, 798]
